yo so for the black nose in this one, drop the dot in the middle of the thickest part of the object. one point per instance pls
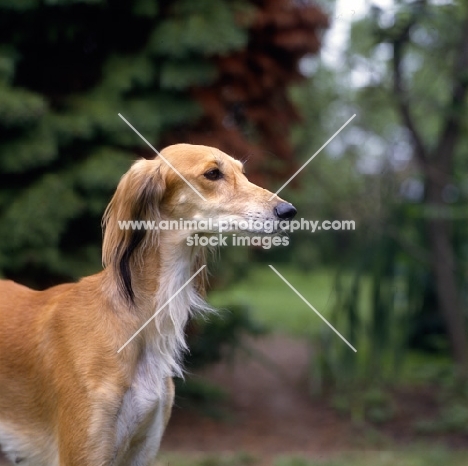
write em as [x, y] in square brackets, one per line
[285, 211]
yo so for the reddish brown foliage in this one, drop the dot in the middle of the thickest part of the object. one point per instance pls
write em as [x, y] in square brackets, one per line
[247, 112]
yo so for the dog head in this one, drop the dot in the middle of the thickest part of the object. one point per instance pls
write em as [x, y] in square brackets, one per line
[186, 182]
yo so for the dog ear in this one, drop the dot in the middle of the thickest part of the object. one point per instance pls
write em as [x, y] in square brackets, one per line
[128, 219]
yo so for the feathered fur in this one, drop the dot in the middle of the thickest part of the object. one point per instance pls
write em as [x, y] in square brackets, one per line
[74, 391]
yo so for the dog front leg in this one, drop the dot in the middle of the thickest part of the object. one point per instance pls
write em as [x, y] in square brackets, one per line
[86, 437]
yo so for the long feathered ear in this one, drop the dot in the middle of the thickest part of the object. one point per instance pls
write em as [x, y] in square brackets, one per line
[137, 199]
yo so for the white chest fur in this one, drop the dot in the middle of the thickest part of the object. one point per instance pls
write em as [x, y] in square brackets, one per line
[140, 419]
[28, 448]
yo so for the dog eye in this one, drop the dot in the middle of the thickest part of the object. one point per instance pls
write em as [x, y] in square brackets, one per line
[213, 175]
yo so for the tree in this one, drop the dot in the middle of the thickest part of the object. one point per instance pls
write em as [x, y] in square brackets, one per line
[428, 98]
[247, 110]
[68, 67]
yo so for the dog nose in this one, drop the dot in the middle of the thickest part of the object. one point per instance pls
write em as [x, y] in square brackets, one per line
[285, 211]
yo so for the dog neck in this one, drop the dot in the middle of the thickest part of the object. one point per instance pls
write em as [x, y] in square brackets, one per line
[164, 291]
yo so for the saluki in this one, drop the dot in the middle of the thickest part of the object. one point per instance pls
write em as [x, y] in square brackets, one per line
[68, 396]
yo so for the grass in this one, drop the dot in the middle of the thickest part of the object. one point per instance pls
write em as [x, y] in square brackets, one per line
[276, 306]
[426, 457]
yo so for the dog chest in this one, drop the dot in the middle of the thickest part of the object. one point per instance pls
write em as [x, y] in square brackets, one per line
[142, 404]
[28, 446]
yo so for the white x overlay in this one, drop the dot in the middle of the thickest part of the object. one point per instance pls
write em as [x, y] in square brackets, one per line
[160, 155]
[308, 161]
[161, 308]
[201, 268]
[313, 308]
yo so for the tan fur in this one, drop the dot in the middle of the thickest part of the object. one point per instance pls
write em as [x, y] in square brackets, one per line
[62, 382]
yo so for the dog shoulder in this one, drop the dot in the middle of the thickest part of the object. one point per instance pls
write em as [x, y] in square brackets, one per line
[9, 287]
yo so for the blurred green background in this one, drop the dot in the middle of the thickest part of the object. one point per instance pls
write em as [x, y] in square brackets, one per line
[268, 82]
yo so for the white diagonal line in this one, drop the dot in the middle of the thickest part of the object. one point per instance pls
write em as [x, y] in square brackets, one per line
[303, 166]
[313, 308]
[162, 307]
[160, 155]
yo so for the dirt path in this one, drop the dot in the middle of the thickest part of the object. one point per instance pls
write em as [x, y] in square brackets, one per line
[270, 411]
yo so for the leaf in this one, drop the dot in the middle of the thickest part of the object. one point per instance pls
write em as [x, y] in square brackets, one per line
[35, 218]
[19, 107]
